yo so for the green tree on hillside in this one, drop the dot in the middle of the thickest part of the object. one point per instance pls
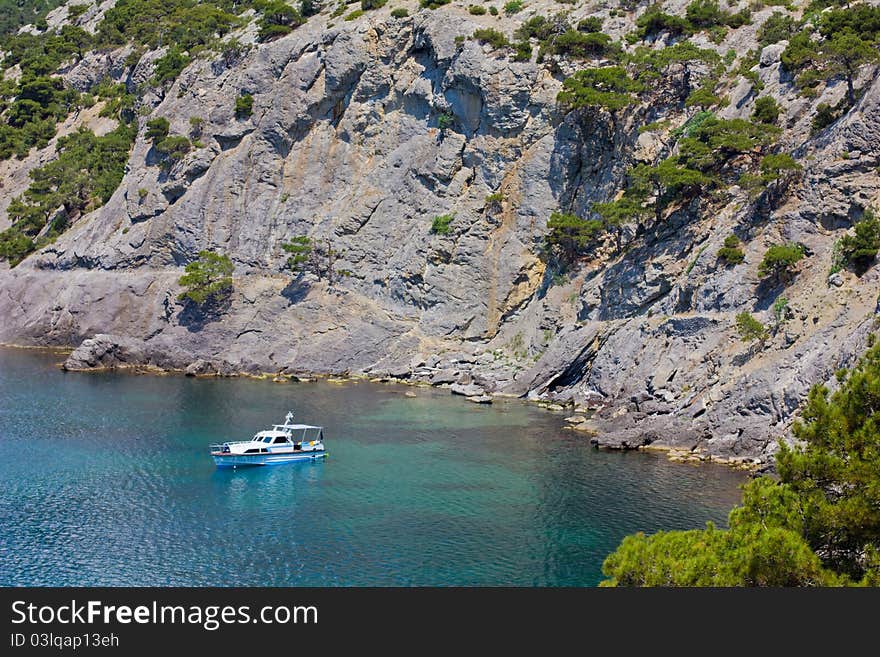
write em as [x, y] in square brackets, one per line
[860, 248]
[750, 329]
[766, 110]
[618, 213]
[610, 88]
[818, 525]
[244, 105]
[85, 174]
[209, 278]
[779, 261]
[669, 180]
[847, 53]
[157, 129]
[279, 19]
[569, 234]
[731, 253]
[778, 168]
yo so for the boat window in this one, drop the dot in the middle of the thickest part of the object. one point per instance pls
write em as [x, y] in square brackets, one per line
[280, 439]
[267, 439]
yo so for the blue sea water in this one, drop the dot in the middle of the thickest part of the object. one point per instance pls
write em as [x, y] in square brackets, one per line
[105, 479]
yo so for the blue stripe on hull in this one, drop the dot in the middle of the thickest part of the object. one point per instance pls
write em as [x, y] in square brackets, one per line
[267, 459]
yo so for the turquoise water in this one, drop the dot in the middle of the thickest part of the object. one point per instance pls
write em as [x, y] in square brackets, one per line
[105, 479]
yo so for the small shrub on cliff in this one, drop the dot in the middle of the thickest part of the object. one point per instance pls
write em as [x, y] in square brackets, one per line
[730, 253]
[542, 29]
[618, 213]
[399, 12]
[781, 313]
[778, 168]
[440, 224]
[860, 248]
[582, 46]
[477, 10]
[308, 8]
[714, 146]
[522, 51]
[300, 249]
[780, 260]
[494, 200]
[766, 110]
[157, 129]
[704, 13]
[169, 66]
[279, 19]
[196, 126]
[750, 329]
[609, 87]
[669, 181]
[492, 37]
[655, 21]
[703, 98]
[207, 279]
[232, 51]
[173, 149]
[514, 7]
[569, 234]
[445, 121]
[433, 4]
[367, 5]
[778, 27]
[825, 116]
[75, 11]
[590, 24]
[244, 106]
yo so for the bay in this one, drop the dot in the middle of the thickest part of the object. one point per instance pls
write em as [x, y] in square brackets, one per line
[105, 480]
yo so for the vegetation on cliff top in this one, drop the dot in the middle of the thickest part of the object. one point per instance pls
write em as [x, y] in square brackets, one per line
[15, 13]
[83, 177]
[704, 157]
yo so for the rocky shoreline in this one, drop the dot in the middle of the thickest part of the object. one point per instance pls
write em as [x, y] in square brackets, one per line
[364, 132]
[112, 353]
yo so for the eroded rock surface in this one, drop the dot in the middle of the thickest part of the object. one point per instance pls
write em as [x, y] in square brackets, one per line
[345, 146]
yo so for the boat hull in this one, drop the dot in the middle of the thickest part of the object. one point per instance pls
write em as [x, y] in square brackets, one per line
[248, 460]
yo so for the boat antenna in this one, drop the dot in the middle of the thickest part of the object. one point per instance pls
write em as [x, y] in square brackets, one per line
[288, 418]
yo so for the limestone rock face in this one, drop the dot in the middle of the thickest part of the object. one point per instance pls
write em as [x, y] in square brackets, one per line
[361, 134]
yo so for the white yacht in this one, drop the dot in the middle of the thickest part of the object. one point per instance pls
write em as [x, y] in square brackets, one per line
[283, 443]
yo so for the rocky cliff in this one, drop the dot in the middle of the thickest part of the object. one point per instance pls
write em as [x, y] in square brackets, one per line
[364, 130]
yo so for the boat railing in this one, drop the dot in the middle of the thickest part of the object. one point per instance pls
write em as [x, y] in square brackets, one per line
[218, 447]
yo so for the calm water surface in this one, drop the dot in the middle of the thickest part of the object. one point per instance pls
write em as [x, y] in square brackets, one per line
[105, 479]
